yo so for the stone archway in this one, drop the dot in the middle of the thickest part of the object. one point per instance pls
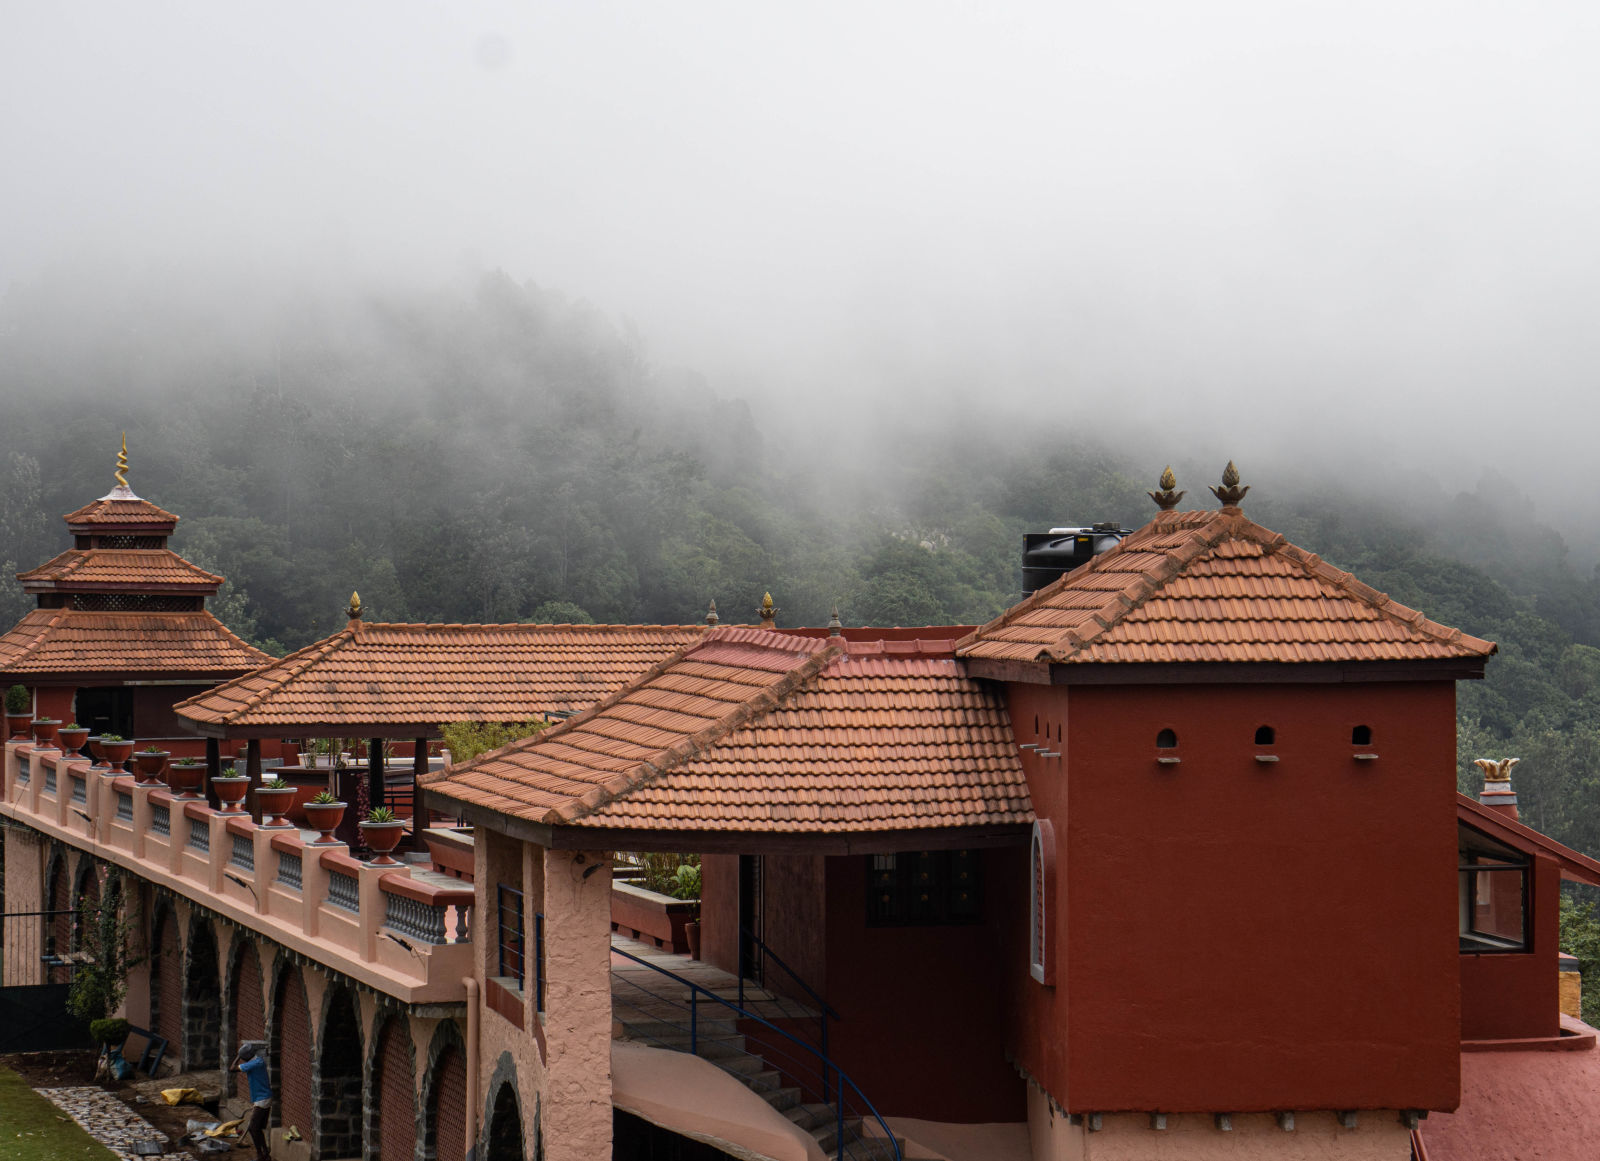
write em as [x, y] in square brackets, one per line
[59, 926]
[444, 1096]
[391, 1104]
[247, 1009]
[505, 1141]
[166, 978]
[202, 999]
[336, 1078]
[289, 1054]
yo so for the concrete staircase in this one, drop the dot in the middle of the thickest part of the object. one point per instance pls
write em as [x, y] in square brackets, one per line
[719, 1042]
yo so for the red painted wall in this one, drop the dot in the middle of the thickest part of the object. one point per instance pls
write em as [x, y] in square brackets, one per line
[1515, 996]
[719, 911]
[922, 1028]
[791, 909]
[1238, 936]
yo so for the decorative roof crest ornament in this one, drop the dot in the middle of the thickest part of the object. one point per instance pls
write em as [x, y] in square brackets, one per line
[1167, 499]
[769, 612]
[835, 626]
[122, 462]
[711, 615]
[1230, 493]
[1496, 771]
[355, 606]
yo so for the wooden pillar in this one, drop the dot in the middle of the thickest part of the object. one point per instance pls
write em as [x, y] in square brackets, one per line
[213, 769]
[252, 767]
[375, 771]
[345, 780]
[419, 767]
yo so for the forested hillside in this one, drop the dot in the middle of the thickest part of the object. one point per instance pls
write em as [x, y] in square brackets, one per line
[506, 454]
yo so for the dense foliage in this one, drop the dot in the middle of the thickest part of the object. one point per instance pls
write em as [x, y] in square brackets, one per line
[507, 454]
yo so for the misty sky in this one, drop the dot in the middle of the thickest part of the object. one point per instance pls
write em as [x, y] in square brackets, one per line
[1367, 226]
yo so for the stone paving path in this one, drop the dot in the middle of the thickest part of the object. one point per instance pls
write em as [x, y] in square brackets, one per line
[105, 1118]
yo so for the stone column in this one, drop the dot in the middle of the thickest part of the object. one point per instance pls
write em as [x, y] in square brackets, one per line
[577, 1018]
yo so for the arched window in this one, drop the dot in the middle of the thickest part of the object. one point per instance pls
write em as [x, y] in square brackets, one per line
[1042, 903]
[1361, 736]
[1167, 740]
[1265, 735]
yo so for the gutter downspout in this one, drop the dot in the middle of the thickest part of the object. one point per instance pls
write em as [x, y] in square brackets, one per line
[473, 1014]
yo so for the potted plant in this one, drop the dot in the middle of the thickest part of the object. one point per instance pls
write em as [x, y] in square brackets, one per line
[231, 790]
[97, 756]
[19, 712]
[117, 749]
[44, 732]
[72, 736]
[149, 762]
[382, 832]
[325, 813]
[185, 775]
[686, 886]
[275, 798]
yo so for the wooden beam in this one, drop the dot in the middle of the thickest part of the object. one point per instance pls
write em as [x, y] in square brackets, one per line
[252, 767]
[419, 812]
[1031, 672]
[213, 768]
[375, 788]
[1274, 672]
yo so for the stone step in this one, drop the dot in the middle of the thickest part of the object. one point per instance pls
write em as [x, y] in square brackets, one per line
[809, 1116]
[673, 1030]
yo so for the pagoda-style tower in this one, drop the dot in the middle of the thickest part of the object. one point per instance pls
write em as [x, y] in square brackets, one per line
[121, 631]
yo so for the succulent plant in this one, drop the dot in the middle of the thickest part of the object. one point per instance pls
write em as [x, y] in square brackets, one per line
[381, 814]
[324, 798]
[104, 738]
[277, 784]
[152, 748]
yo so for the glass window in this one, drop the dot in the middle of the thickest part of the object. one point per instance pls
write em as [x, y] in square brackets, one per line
[1492, 895]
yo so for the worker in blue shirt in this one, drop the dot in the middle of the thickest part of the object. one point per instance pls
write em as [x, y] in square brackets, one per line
[254, 1068]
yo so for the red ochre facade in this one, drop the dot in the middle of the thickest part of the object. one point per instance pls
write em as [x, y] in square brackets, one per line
[1516, 995]
[1245, 936]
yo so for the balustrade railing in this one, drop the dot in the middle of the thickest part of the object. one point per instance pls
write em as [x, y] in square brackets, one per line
[317, 891]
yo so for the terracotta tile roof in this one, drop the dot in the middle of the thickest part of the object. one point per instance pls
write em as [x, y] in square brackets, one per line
[1213, 587]
[121, 507]
[84, 568]
[372, 674]
[755, 731]
[61, 641]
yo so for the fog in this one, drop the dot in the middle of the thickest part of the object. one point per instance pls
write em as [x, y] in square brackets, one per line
[1304, 235]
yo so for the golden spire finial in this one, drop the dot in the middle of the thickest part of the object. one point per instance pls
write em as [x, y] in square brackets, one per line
[1496, 771]
[769, 612]
[122, 462]
[711, 615]
[1167, 499]
[355, 606]
[1230, 493]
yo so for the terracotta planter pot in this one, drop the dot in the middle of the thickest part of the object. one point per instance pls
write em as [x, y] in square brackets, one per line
[325, 817]
[117, 753]
[231, 792]
[17, 727]
[184, 781]
[97, 756]
[383, 837]
[44, 731]
[691, 932]
[148, 767]
[71, 741]
[275, 804]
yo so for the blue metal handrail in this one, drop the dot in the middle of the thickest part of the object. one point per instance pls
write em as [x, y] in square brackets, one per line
[767, 953]
[827, 1066]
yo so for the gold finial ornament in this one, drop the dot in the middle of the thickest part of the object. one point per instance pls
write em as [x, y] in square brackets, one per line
[122, 462]
[835, 626]
[769, 612]
[711, 615]
[355, 606]
[1230, 493]
[1167, 499]
[1496, 771]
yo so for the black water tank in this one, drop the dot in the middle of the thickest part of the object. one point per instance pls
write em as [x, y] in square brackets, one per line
[1047, 556]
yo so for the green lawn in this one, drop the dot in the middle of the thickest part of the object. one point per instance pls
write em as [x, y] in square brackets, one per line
[33, 1129]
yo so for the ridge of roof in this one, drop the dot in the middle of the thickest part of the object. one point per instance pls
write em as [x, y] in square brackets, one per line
[293, 665]
[44, 619]
[1206, 530]
[1584, 869]
[758, 705]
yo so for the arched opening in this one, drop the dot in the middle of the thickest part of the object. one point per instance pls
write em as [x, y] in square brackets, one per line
[58, 926]
[166, 981]
[1361, 736]
[247, 1011]
[445, 1126]
[85, 900]
[1167, 740]
[202, 1000]
[1265, 735]
[392, 1118]
[289, 1055]
[336, 1079]
[505, 1127]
